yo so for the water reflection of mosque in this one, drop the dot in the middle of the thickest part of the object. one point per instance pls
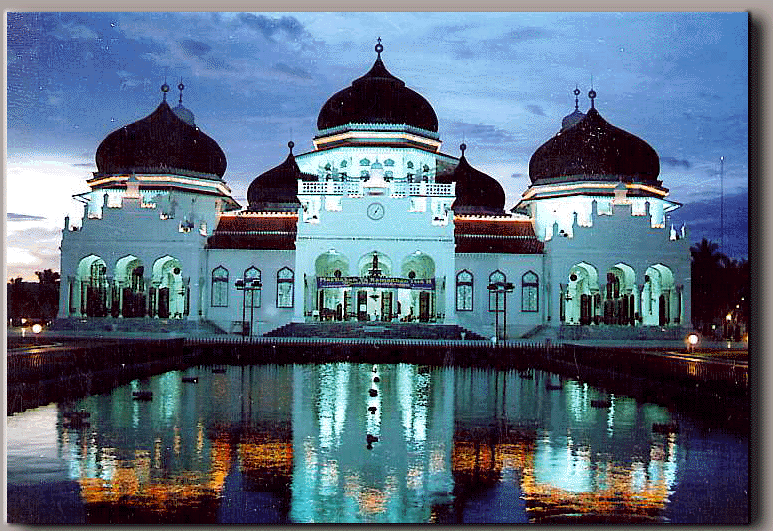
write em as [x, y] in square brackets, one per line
[315, 444]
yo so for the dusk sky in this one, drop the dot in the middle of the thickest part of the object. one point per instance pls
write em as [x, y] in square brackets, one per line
[500, 82]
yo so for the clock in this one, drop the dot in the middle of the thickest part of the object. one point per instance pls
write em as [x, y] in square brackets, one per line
[375, 211]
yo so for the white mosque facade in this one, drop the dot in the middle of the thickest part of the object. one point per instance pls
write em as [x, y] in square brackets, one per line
[375, 223]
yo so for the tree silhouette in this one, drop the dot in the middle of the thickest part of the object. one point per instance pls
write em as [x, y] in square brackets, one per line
[720, 285]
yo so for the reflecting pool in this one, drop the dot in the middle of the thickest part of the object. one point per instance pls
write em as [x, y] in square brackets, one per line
[348, 442]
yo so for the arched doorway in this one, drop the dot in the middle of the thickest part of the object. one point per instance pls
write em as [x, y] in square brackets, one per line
[334, 298]
[619, 295]
[373, 293]
[169, 292]
[420, 301]
[580, 297]
[660, 305]
[93, 283]
[129, 296]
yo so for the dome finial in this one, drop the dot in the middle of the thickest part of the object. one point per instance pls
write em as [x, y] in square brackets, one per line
[576, 100]
[181, 87]
[463, 147]
[379, 48]
[165, 86]
[592, 93]
[291, 145]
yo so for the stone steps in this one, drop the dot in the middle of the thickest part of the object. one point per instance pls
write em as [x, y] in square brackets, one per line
[373, 330]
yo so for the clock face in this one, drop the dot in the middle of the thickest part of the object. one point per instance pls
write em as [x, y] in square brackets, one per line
[375, 211]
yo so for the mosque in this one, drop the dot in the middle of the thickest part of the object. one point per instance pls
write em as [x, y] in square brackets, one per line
[377, 224]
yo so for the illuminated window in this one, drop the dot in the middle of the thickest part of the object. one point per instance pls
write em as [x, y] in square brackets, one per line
[253, 298]
[284, 288]
[220, 286]
[496, 301]
[529, 292]
[464, 291]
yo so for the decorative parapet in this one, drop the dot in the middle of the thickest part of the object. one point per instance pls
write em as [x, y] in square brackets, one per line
[357, 189]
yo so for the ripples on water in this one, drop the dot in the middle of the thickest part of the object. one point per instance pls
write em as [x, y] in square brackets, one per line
[369, 443]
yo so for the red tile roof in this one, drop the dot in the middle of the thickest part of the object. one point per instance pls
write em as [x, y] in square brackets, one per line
[495, 235]
[246, 231]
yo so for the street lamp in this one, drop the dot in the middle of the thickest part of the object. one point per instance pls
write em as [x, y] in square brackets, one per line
[504, 288]
[250, 285]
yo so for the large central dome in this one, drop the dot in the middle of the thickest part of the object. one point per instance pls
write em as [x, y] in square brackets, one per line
[378, 97]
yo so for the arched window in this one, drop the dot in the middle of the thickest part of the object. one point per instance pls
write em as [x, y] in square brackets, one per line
[389, 162]
[410, 164]
[530, 292]
[253, 273]
[343, 164]
[464, 291]
[220, 286]
[496, 300]
[284, 288]
[364, 162]
[364, 173]
[388, 174]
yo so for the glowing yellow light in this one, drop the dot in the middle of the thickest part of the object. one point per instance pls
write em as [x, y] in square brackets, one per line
[729, 317]
[37, 328]
[692, 339]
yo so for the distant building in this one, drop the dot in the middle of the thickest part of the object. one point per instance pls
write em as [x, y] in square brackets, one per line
[376, 223]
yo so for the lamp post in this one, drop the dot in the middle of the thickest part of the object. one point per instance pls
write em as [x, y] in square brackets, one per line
[244, 286]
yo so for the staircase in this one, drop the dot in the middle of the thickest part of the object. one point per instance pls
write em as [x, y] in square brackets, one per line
[374, 330]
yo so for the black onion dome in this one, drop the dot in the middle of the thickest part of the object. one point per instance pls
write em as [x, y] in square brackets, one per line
[277, 189]
[378, 97]
[163, 142]
[476, 192]
[594, 147]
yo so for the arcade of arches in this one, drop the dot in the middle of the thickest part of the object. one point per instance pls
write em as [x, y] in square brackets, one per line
[374, 288]
[131, 291]
[654, 300]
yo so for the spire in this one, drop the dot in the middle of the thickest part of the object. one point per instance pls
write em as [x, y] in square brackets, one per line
[576, 100]
[181, 87]
[291, 145]
[463, 147]
[592, 93]
[379, 48]
[165, 86]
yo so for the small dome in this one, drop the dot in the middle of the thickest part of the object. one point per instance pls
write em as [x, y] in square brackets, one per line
[184, 114]
[593, 147]
[160, 142]
[277, 189]
[378, 97]
[572, 119]
[476, 192]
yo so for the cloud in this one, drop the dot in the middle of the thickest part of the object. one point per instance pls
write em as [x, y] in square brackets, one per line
[72, 31]
[481, 133]
[518, 175]
[196, 48]
[671, 161]
[270, 27]
[23, 257]
[293, 71]
[11, 216]
[528, 34]
[535, 109]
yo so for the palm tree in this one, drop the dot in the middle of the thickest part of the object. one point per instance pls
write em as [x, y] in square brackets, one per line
[709, 278]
